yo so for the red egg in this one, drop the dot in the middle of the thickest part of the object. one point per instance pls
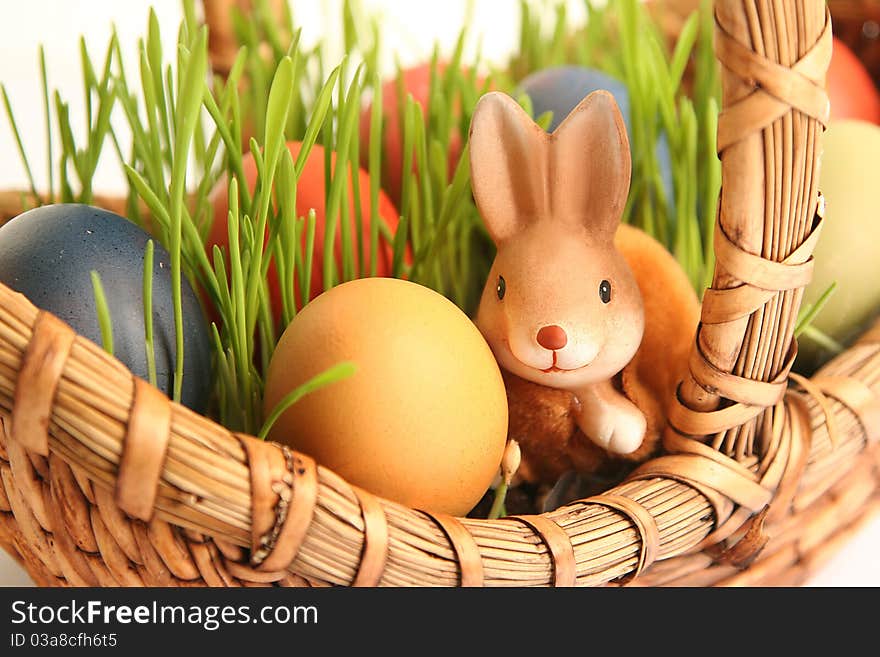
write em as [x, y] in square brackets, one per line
[416, 81]
[310, 194]
[851, 90]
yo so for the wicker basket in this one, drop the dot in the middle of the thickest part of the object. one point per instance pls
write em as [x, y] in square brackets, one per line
[106, 482]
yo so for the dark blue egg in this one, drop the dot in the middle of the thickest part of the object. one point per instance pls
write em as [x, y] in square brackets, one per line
[561, 88]
[47, 254]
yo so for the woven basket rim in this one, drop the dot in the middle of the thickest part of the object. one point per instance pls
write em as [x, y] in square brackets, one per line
[287, 517]
[612, 511]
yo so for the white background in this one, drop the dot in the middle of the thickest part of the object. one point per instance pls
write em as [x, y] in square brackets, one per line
[409, 27]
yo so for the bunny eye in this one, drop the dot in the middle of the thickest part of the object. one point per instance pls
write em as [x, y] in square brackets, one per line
[605, 291]
[501, 288]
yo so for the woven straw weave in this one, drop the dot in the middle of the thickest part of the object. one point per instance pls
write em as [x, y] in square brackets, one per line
[106, 482]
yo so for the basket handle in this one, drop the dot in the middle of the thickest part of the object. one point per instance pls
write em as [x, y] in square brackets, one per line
[731, 405]
[222, 42]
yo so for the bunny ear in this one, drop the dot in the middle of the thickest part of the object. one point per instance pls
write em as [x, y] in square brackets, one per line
[508, 155]
[590, 165]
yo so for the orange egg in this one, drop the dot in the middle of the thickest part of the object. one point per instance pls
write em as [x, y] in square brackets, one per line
[416, 81]
[423, 421]
[310, 194]
[851, 90]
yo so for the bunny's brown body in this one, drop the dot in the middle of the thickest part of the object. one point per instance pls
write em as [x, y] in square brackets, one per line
[565, 304]
[543, 419]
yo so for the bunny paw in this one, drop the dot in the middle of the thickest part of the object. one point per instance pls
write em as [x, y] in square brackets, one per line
[628, 433]
[613, 422]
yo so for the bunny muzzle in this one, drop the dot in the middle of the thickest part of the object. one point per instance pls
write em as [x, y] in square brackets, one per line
[552, 348]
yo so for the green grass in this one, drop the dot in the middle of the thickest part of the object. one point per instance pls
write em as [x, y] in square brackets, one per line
[149, 347]
[105, 321]
[192, 129]
[332, 375]
[621, 40]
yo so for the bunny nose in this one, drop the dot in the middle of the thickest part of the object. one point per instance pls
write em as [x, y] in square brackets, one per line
[552, 337]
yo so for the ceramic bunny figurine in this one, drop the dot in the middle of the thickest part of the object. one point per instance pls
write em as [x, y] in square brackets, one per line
[562, 309]
[561, 306]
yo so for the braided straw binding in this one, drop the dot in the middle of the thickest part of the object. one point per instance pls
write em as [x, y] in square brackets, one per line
[760, 483]
[559, 546]
[375, 552]
[37, 381]
[642, 520]
[283, 493]
[467, 553]
[143, 451]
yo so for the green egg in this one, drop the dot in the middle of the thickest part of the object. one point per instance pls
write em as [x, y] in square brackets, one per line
[848, 251]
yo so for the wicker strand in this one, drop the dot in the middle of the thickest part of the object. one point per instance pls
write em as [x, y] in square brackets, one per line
[559, 548]
[233, 511]
[375, 551]
[144, 449]
[37, 382]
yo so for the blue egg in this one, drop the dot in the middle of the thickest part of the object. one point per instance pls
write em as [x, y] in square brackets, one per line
[560, 89]
[48, 254]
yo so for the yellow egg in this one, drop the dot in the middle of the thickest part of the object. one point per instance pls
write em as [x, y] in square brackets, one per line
[423, 421]
[847, 249]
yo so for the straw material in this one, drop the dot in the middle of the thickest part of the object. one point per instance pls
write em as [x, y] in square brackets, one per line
[762, 478]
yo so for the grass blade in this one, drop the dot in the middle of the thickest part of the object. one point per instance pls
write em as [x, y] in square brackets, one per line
[334, 374]
[186, 115]
[105, 323]
[148, 312]
[18, 143]
[44, 79]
